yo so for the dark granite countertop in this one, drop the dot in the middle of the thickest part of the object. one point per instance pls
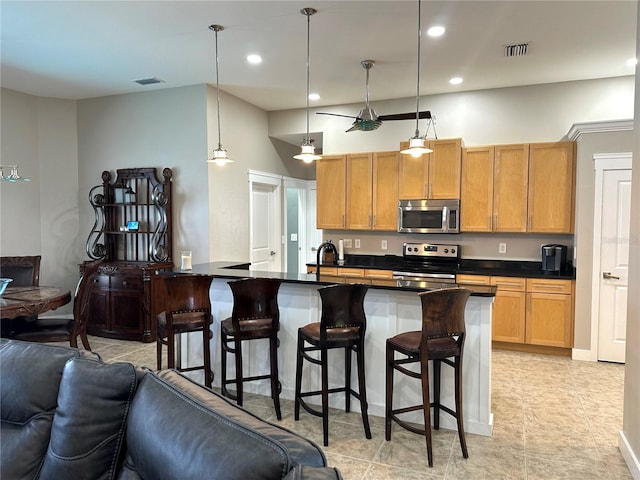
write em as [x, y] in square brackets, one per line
[225, 269]
[502, 268]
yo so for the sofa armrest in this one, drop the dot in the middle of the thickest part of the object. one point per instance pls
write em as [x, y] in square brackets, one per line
[305, 472]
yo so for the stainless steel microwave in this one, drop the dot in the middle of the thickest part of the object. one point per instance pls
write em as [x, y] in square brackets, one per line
[429, 216]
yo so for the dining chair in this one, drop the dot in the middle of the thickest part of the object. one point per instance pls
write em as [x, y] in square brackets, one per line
[441, 340]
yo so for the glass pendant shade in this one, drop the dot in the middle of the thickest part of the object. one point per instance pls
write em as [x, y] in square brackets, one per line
[307, 153]
[220, 157]
[416, 148]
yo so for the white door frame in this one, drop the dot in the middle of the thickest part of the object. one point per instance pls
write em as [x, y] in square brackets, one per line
[602, 161]
[302, 186]
[266, 178]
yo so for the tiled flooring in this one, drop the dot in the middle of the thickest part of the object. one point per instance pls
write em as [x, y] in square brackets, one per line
[554, 418]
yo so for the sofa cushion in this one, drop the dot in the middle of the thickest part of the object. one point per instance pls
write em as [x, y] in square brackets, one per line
[178, 429]
[30, 374]
[89, 422]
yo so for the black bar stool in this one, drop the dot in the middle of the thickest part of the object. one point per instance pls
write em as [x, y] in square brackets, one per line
[188, 309]
[441, 339]
[255, 315]
[342, 325]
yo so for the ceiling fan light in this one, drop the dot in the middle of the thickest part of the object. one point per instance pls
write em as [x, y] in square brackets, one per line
[307, 153]
[220, 157]
[416, 148]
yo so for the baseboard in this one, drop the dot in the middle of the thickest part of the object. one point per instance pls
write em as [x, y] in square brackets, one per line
[629, 456]
[584, 355]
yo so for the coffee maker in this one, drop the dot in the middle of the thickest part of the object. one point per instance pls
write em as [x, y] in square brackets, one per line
[554, 257]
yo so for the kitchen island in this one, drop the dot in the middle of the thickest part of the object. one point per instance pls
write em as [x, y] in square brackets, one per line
[389, 310]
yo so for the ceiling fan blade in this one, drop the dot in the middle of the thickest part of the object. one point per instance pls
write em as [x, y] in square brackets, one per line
[335, 114]
[404, 116]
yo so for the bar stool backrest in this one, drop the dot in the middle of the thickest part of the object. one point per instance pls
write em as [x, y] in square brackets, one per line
[255, 298]
[443, 314]
[187, 298]
[343, 306]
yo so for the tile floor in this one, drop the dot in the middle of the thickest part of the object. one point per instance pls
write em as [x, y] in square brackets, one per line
[554, 418]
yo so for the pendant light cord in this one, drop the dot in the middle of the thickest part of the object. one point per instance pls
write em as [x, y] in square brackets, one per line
[308, 13]
[418, 83]
[215, 29]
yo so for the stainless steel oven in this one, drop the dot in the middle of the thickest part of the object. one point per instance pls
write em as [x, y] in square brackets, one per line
[427, 265]
[429, 216]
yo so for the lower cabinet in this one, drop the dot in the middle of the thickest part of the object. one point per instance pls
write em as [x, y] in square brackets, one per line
[531, 311]
[365, 276]
[121, 299]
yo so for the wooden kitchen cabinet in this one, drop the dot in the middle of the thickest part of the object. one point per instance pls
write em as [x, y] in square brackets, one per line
[435, 175]
[552, 171]
[385, 191]
[509, 313]
[518, 188]
[359, 192]
[331, 175]
[549, 312]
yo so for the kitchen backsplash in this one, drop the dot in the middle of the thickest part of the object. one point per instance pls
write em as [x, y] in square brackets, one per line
[473, 245]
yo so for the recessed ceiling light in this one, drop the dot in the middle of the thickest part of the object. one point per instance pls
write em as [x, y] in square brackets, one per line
[455, 80]
[314, 96]
[632, 62]
[255, 59]
[436, 31]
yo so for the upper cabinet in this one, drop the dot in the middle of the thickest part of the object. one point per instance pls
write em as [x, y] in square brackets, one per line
[552, 172]
[518, 188]
[331, 175]
[358, 191]
[435, 175]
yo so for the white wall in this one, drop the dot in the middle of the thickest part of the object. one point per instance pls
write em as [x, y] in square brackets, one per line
[40, 217]
[160, 128]
[630, 438]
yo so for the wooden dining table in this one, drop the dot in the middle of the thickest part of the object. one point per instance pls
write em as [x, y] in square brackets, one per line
[21, 301]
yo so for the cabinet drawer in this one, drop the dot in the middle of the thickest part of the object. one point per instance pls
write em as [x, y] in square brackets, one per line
[101, 281]
[473, 279]
[373, 274]
[543, 285]
[351, 272]
[512, 284]
[121, 282]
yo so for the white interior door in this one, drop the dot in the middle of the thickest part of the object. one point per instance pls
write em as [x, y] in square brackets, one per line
[614, 190]
[266, 236]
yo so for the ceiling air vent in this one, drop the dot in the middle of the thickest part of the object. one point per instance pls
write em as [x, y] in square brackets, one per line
[148, 81]
[516, 49]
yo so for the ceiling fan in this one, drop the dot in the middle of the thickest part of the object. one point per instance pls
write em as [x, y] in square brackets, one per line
[367, 119]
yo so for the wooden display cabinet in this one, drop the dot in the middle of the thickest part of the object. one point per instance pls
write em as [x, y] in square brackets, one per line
[132, 235]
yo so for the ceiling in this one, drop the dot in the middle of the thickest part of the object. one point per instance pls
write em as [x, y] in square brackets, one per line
[83, 49]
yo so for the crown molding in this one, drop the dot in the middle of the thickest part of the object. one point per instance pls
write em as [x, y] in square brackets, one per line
[599, 127]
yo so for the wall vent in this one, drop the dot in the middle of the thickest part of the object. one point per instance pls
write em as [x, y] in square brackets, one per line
[516, 49]
[149, 81]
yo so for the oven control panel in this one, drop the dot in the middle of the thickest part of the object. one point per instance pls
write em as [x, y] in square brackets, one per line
[431, 250]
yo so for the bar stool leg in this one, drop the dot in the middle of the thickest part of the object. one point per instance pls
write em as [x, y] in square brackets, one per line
[275, 383]
[238, 358]
[362, 390]
[437, 364]
[458, 394]
[206, 356]
[296, 411]
[426, 408]
[388, 393]
[325, 396]
[347, 379]
[223, 363]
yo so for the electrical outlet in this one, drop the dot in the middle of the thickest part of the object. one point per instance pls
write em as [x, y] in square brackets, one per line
[357, 243]
[383, 244]
[347, 243]
[502, 248]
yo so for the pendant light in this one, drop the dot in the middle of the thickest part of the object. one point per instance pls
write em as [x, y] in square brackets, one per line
[307, 152]
[417, 143]
[220, 156]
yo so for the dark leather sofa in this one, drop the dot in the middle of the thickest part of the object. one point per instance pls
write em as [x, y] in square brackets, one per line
[65, 414]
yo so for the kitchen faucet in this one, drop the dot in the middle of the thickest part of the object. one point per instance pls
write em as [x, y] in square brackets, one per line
[331, 249]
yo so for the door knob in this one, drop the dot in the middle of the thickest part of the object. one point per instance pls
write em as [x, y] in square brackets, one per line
[272, 253]
[608, 276]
